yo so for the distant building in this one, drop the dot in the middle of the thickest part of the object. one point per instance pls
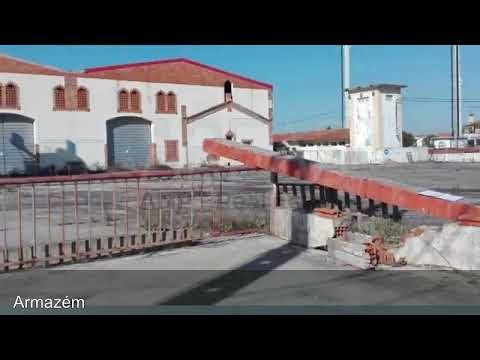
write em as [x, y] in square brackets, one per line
[374, 116]
[448, 142]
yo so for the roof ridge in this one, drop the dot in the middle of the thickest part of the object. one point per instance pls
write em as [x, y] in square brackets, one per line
[31, 62]
[180, 59]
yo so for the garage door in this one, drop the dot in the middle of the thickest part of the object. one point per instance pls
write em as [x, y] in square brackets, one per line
[16, 144]
[128, 142]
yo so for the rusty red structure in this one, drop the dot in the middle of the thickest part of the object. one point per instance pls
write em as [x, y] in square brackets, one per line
[373, 190]
[55, 219]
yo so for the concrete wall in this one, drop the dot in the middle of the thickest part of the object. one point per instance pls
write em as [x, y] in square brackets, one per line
[306, 230]
[342, 155]
[86, 130]
[462, 157]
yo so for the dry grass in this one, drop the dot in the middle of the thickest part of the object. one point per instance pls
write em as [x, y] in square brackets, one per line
[387, 229]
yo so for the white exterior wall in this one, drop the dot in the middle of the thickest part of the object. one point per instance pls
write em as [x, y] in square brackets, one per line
[87, 130]
[375, 122]
[362, 124]
[392, 122]
[217, 125]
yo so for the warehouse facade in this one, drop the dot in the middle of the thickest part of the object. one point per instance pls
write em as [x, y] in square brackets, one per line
[133, 116]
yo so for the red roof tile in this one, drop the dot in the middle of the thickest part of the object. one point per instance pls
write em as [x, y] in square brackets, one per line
[333, 135]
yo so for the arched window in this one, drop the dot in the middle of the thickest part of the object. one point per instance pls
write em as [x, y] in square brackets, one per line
[59, 97]
[11, 96]
[1, 95]
[161, 103]
[135, 100]
[172, 103]
[227, 87]
[123, 100]
[82, 98]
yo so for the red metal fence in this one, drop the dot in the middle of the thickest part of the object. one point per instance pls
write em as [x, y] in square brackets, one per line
[49, 220]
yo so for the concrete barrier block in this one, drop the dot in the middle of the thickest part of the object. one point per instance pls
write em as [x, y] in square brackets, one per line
[354, 248]
[455, 246]
[281, 223]
[319, 229]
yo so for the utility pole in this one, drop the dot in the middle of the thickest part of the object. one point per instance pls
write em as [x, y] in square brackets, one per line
[456, 93]
[345, 81]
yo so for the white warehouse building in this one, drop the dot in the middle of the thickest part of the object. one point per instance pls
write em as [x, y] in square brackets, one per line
[132, 116]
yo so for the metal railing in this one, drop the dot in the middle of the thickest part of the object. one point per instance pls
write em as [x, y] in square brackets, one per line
[52, 220]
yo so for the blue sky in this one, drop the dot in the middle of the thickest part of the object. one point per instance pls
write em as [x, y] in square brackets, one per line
[306, 78]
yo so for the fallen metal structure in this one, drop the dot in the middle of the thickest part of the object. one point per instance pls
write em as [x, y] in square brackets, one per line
[376, 191]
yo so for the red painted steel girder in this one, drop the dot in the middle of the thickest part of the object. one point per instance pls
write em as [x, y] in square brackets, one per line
[121, 175]
[366, 188]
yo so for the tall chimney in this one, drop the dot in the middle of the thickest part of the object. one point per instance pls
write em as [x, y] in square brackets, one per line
[345, 81]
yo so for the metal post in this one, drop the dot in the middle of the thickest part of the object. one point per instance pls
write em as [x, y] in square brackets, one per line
[160, 225]
[4, 213]
[102, 214]
[275, 191]
[347, 200]
[34, 216]
[126, 209]
[455, 93]
[114, 211]
[384, 210]
[49, 217]
[359, 203]
[19, 213]
[191, 206]
[138, 206]
[221, 203]
[77, 229]
[63, 217]
[201, 191]
[89, 211]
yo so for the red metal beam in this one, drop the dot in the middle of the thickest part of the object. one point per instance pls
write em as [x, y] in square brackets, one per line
[366, 188]
[121, 175]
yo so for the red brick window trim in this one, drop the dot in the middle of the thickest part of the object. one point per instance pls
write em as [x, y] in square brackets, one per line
[171, 103]
[123, 101]
[11, 96]
[59, 98]
[161, 102]
[82, 99]
[135, 101]
[171, 151]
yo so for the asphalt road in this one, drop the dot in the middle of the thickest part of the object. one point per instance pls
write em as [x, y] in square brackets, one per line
[244, 275]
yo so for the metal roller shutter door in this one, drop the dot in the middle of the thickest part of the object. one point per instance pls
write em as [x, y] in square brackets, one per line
[129, 142]
[16, 136]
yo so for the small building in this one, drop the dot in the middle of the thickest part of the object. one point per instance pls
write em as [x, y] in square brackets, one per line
[449, 142]
[128, 116]
[298, 141]
[374, 116]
